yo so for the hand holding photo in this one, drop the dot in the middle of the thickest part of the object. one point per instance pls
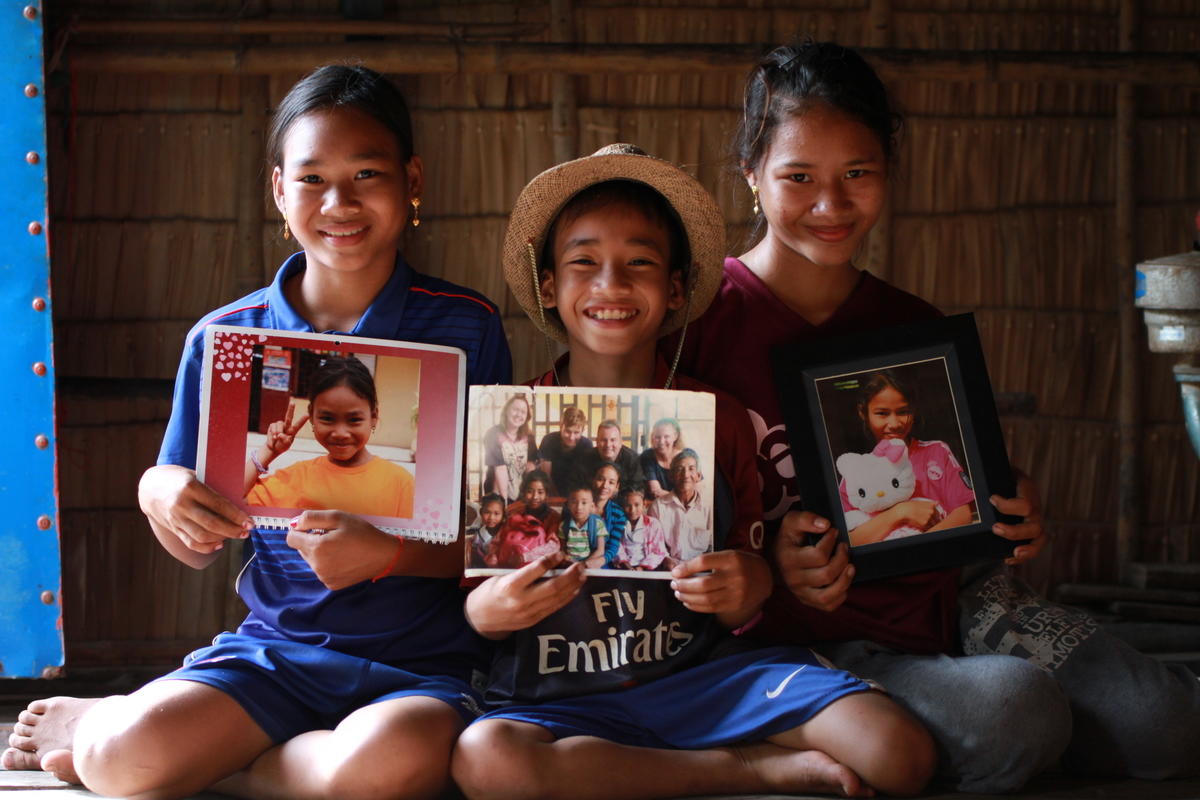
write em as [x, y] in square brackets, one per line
[903, 442]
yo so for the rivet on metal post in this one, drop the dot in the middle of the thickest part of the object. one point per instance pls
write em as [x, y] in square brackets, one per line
[43, 522]
[41, 441]
[32, 157]
[30, 13]
[39, 304]
[48, 598]
[35, 228]
[39, 368]
[31, 90]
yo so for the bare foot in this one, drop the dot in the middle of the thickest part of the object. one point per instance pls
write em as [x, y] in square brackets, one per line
[61, 764]
[788, 771]
[44, 726]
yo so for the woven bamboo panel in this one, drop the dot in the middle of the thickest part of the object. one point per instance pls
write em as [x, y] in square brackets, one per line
[1003, 204]
[1072, 463]
[116, 406]
[956, 164]
[1170, 476]
[147, 165]
[1169, 160]
[478, 161]
[1170, 543]
[997, 99]
[936, 30]
[146, 349]
[531, 357]
[182, 269]
[1077, 553]
[112, 94]
[1066, 360]
[1043, 258]
[108, 455]
[114, 574]
[660, 25]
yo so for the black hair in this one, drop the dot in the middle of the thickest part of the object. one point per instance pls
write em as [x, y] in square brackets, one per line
[614, 467]
[344, 371]
[492, 498]
[342, 86]
[642, 198]
[789, 78]
[530, 477]
[876, 383]
[627, 491]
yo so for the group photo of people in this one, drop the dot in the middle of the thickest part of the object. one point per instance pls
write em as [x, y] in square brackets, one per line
[612, 480]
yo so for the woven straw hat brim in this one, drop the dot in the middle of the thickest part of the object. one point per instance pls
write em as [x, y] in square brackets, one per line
[542, 199]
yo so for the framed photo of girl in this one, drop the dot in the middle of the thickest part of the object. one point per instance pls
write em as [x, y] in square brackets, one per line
[896, 440]
[296, 421]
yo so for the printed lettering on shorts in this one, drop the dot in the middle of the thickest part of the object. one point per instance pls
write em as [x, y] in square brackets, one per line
[1011, 620]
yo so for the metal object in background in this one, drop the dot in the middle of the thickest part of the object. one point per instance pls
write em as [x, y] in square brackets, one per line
[1169, 290]
[31, 643]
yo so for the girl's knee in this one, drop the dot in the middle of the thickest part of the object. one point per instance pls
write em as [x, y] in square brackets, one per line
[1014, 722]
[901, 754]
[113, 753]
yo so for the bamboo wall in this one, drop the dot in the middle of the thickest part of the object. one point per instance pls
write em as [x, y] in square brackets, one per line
[1008, 203]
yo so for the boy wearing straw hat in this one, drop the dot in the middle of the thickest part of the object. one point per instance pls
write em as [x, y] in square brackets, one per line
[656, 699]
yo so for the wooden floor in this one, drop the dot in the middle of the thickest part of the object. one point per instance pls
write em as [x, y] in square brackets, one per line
[39, 786]
[14, 694]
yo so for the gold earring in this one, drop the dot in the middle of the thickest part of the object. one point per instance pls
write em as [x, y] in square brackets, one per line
[416, 204]
[287, 234]
[754, 191]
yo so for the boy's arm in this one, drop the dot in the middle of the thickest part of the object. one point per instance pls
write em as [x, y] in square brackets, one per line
[504, 604]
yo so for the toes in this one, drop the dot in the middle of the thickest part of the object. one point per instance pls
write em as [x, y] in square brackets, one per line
[61, 764]
[14, 759]
[27, 717]
[39, 706]
[21, 742]
[22, 730]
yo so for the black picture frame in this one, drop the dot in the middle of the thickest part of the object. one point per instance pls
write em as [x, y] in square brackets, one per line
[821, 384]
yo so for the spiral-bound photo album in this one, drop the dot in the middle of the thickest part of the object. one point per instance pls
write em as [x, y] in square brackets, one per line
[295, 421]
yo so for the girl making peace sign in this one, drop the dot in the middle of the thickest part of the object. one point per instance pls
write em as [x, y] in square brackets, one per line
[344, 409]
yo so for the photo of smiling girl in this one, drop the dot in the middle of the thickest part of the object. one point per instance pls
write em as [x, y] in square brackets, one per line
[920, 484]
[343, 411]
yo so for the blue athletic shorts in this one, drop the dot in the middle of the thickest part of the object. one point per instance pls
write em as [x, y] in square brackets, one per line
[290, 688]
[740, 698]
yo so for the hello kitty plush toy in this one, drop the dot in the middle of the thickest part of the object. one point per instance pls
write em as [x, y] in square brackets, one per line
[876, 481]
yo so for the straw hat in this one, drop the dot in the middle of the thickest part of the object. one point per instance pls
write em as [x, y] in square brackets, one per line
[544, 197]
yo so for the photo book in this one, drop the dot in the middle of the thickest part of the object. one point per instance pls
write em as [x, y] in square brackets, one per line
[620, 479]
[296, 421]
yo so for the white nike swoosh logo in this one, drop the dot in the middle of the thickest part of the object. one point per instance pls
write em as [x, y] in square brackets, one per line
[778, 690]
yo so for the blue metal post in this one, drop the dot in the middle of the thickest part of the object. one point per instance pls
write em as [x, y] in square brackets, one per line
[31, 643]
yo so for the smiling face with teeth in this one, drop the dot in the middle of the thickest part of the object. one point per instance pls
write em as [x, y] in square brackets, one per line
[612, 285]
[345, 189]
